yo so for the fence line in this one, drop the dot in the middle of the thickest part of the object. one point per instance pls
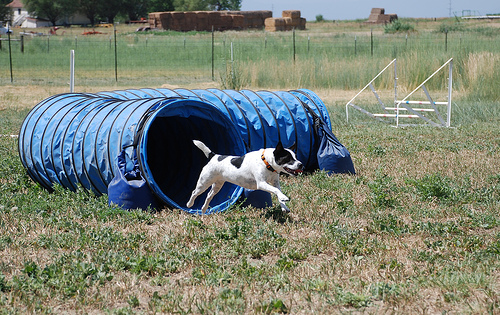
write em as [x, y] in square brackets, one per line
[203, 53]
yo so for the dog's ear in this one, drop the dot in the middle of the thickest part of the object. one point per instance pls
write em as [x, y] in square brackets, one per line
[279, 146]
[293, 147]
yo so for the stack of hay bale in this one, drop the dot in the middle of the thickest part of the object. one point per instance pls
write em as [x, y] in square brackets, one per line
[378, 16]
[205, 20]
[251, 19]
[290, 19]
[154, 19]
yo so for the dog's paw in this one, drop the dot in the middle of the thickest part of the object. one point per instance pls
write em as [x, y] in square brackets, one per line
[283, 198]
[285, 209]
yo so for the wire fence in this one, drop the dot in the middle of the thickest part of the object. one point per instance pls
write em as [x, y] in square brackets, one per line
[205, 56]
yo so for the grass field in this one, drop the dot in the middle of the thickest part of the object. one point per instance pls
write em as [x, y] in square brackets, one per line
[327, 55]
[417, 230]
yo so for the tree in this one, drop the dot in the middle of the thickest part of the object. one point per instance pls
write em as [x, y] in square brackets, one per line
[223, 5]
[135, 9]
[5, 11]
[109, 9]
[90, 9]
[191, 5]
[205, 5]
[161, 5]
[53, 10]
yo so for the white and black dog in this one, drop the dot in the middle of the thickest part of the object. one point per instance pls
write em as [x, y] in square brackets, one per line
[257, 170]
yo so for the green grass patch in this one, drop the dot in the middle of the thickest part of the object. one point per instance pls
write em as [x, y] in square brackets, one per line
[390, 233]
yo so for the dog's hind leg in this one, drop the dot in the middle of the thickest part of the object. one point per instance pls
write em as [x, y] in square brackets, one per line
[201, 186]
[216, 187]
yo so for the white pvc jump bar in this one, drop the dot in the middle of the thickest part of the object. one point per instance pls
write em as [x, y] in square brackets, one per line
[415, 109]
[421, 102]
[395, 115]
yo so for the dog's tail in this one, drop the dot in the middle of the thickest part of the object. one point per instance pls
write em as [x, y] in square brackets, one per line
[209, 154]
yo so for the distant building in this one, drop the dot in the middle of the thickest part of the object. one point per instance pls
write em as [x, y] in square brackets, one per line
[31, 22]
[19, 12]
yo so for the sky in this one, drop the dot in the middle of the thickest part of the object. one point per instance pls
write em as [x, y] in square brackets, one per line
[360, 9]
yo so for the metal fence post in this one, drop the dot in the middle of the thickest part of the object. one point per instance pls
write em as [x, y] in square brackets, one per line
[116, 54]
[10, 57]
[71, 71]
[371, 41]
[213, 77]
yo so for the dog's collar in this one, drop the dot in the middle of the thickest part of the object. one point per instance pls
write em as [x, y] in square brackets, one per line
[268, 166]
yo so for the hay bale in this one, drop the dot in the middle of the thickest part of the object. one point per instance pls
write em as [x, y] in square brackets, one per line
[204, 20]
[284, 24]
[392, 17]
[190, 19]
[238, 21]
[293, 14]
[378, 16]
[272, 22]
[378, 11]
[256, 19]
[177, 22]
[154, 19]
[226, 22]
[266, 14]
[166, 20]
[302, 24]
[214, 20]
[275, 28]
[289, 23]
[177, 15]
[256, 22]
[275, 24]
[383, 18]
[154, 15]
[201, 22]
[373, 17]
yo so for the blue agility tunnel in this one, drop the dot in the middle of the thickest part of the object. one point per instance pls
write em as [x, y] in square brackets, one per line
[75, 139]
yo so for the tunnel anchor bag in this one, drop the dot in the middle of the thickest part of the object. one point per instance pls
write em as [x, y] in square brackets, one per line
[128, 189]
[333, 156]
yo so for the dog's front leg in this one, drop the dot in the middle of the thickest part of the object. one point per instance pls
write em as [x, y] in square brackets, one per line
[282, 201]
[282, 198]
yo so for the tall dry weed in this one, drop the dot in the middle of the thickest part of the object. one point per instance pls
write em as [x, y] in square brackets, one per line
[481, 64]
[481, 75]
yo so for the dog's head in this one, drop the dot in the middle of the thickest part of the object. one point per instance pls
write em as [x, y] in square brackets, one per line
[286, 161]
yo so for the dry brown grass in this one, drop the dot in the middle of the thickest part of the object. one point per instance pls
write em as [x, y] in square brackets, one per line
[374, 243]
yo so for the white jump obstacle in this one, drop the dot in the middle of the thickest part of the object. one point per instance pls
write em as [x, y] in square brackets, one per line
[427, 111]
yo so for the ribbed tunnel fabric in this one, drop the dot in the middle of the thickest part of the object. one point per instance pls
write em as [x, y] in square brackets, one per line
[74, 139]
